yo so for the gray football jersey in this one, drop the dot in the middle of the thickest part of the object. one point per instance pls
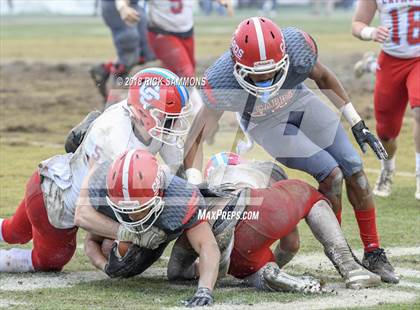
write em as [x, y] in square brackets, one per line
[223, 93]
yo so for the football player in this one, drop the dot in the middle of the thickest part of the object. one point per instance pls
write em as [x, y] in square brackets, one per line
[261, 188]
[140, 194]
[153, 118]
[128, 24]
[261, 77]
[397, 76]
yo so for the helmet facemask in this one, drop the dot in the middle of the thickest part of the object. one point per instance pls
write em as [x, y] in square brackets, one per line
[171, 128]
[132, 208]
[242, 72]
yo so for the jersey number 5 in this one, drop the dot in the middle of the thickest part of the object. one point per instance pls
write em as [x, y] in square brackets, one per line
[413, 26]
[176, 6]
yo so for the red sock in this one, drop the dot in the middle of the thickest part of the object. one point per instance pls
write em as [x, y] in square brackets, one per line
[338, 216]
[367, 227]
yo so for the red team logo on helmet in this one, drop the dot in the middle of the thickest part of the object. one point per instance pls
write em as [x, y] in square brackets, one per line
[258, 47]
[135, 185]
[221, 159]
[161, 104]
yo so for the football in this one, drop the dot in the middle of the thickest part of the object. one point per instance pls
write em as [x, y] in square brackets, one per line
[122, 248]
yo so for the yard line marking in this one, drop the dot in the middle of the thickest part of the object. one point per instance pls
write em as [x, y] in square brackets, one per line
[398, 173]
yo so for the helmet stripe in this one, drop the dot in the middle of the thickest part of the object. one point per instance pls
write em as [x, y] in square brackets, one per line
[260, 38]
[126, 171]
[182, 90]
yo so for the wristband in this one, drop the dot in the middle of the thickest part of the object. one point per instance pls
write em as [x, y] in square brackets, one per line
[367, 33]
[194, 176]
[350, 114]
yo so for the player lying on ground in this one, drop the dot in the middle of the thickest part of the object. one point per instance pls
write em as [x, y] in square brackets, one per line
[261, 78]
[138, 193]
[152, 118]
[260, 188]
[398, 77]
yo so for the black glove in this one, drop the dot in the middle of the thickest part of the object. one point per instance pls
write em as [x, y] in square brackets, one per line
[203, 297]
[76, 135]
[123, 267]
[363, 135]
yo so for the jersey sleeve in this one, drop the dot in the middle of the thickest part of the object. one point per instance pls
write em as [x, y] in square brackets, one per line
[302, 51]
[221, 91]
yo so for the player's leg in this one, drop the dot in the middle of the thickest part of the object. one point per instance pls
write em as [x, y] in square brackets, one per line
[413, 87]
[360, 196]
[17, 230]
[171, 51]
[251, 257]
[390, 102]
[326, 229]
[145, 52]
[287, 248]
[302, 154]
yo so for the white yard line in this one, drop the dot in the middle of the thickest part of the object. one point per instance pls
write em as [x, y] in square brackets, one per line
[397, 173]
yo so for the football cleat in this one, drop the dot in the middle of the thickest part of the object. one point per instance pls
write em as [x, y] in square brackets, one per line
[383, 186]
[273, 279]
[354, 275]
[417, 195]
[100, 76]
[377, 262]
[362, 66]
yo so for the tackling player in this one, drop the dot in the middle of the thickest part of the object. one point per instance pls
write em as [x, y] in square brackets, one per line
[140, 194]
[397, 75]
[261, 188]
[153, 118]
[261, 77]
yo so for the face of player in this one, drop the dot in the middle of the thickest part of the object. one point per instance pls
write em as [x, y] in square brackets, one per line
[138, 215]
[262, 78]
[141, 132]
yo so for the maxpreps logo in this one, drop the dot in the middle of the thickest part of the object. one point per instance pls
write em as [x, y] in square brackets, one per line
[236, 50]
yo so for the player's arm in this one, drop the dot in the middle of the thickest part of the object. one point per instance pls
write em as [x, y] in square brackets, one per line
[362, 19]
[203, 125]
[88, 218]
[128, 14]
[93, 250]
[228, 5]
[202, 240]
[330, 85]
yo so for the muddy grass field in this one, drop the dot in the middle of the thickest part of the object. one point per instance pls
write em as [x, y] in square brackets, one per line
[45, 89]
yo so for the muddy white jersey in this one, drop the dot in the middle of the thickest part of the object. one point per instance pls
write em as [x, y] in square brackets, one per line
[402, 17]
[174, 16]
[110, 135]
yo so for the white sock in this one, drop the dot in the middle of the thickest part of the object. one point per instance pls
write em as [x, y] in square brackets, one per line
[372, 67]
[389, 164]
[16, 260]
[1, 234]
[417, 163]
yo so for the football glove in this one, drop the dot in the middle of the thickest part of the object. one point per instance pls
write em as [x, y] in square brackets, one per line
[203, 297]
[363, 136]
[125, 266]
[150, 239]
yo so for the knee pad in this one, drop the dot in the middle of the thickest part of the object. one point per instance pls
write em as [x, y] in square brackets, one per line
[334, 182]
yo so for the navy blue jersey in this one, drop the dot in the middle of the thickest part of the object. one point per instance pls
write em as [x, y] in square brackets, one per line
[223, 93]
[182, 202]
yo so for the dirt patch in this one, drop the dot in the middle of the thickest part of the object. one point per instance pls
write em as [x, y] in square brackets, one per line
[34, 281]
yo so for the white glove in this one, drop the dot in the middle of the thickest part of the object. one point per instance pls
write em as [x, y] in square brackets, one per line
[194, 176]
[150, 239]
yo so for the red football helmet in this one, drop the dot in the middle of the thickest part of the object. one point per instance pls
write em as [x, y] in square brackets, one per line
[258, 47]
[135, 184]
[161, 103]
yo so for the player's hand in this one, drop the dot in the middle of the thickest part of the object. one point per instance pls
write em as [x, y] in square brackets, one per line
[125, 266]
[363, 136]
[381, 34]
[129, 15]
[150, 239]
[203, 297]
[228, 5]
